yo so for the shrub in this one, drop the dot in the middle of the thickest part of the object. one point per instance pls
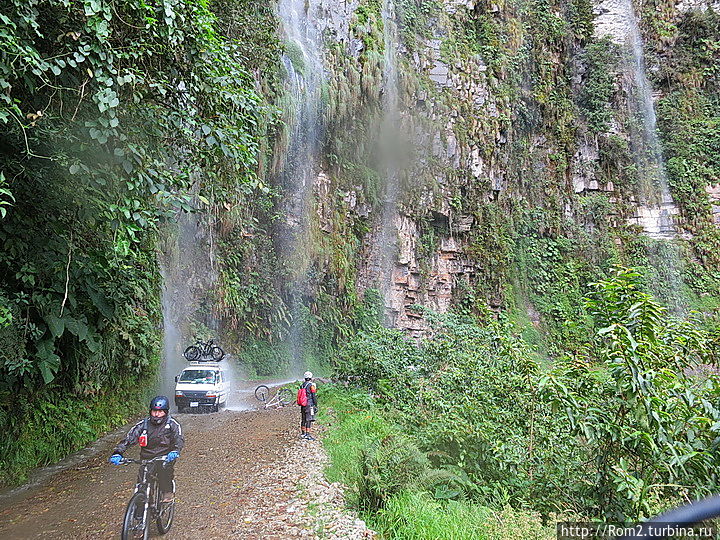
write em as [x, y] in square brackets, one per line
[389, 465]
[643, 415]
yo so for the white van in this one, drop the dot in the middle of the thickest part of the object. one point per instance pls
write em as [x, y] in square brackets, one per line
[201, 387]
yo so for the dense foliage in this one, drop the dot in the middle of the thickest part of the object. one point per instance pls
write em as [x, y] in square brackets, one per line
[689, 117]
[372, 456]
[620, 432]
[115, 116]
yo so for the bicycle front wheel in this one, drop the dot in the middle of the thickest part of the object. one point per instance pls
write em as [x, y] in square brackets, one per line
[217, 353]
[166, 513]
[285, 396]
[262, 393]
[135, 524]
[192, 353]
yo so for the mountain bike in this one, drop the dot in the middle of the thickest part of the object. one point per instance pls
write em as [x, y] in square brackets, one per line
[283, 397]
[146, 503]
[204, 349]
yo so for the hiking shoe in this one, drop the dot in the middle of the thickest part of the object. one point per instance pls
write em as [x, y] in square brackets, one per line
[168, 497]
[310, 438]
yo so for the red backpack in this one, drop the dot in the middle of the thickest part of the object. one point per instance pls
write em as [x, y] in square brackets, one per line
[302, 399]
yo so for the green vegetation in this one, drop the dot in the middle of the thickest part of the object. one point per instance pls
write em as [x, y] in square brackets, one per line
[370, 454]
[561, 397]
[55, 424]
[600, 58]
[115, 118]
[689, 122]
[418, 516]
[645, 409]
[620, 431]
[415, 18]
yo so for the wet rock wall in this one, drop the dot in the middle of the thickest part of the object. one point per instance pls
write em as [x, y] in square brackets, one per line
[494, 109]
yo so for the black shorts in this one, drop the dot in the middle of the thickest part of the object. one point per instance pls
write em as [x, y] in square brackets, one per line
[307, 415]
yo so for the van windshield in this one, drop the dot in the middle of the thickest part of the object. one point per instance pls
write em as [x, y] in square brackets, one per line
[198, 376]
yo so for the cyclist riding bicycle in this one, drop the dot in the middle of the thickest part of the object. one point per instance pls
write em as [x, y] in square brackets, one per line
[159, 434]
[308, 405]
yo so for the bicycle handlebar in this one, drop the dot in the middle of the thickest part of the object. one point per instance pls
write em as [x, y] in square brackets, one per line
[126, 461]
[689, 514]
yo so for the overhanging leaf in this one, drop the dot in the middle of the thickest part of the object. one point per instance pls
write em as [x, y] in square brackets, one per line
[56, 325]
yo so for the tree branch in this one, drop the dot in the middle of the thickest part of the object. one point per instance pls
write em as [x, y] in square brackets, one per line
[67, 275]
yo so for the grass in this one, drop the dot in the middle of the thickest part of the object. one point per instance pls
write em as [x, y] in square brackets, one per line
[354, 423]
[417, 516]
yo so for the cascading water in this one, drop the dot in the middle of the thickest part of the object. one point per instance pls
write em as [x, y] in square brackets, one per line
[656, 210]
[186, 270]
[390, 162]
[656, 216]
[305, 75]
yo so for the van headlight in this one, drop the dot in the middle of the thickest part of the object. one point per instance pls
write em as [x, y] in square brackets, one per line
[211, 393]
[178, 393]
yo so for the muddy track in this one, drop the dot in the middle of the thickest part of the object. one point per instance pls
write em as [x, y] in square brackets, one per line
[218, 485]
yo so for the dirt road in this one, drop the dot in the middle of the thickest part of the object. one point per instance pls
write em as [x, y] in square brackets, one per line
[219, 485]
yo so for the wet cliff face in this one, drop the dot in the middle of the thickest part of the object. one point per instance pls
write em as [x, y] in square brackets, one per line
[506, 153]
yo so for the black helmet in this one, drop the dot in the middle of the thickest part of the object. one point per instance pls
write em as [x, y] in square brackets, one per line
[160, 403]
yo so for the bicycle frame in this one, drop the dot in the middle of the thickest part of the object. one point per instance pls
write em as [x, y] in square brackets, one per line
[274, 402]
[204, 346]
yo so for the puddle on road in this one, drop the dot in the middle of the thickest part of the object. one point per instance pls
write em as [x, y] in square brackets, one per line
[39, 476]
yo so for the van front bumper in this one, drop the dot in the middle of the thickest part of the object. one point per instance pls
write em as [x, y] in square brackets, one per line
[190, 402]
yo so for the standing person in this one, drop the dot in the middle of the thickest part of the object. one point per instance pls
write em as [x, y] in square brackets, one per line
[307, 399]
[158, 434]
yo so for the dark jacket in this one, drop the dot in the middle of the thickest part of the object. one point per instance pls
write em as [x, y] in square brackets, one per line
[161, 439]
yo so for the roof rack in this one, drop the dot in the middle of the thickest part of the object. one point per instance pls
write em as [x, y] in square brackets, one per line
[195, 363]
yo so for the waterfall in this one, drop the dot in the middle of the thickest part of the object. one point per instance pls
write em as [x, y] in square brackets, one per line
[391, 143]
[299, 170]
[655, 209]
[656, 213]
[186, 267]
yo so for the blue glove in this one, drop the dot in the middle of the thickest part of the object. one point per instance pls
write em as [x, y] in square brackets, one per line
[115, 459]
[172, 456]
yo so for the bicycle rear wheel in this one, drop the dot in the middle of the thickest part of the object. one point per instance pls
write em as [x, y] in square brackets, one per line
[262, 393]
[285, 396]
[135, 524]
[217, 353]
[192, 353]
[166, 513]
